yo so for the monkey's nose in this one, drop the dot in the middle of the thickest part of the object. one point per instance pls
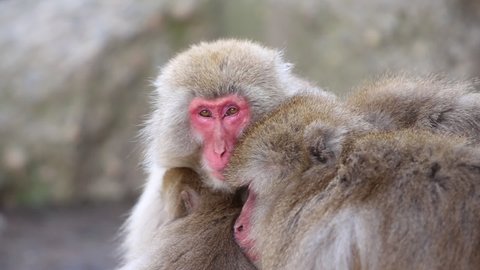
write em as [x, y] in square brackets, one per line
[221, 152]
[239, 228]
[220, 149]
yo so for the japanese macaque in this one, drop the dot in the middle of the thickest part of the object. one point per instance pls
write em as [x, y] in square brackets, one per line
[204, 99]
[328, 191]
[431, 103]
[200, 235]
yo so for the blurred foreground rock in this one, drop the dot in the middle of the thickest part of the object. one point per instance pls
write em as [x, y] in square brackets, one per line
[75, 74]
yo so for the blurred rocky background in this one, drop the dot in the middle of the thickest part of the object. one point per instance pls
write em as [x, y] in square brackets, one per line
[75, 76]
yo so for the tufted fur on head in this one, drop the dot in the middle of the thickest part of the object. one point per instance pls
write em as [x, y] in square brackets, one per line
[306, 129]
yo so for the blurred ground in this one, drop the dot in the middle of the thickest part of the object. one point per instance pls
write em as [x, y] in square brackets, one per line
[73, 238]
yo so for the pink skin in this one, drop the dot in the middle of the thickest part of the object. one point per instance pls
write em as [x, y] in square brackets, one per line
[242, 228]
[219, 122]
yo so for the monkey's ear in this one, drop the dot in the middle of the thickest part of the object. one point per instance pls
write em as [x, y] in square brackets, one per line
[190, 199]
[324, 143]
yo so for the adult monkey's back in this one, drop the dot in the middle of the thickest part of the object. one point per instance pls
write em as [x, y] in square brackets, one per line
[204, 99]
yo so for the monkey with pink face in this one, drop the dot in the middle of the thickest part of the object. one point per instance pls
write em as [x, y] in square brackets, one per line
[205, 97]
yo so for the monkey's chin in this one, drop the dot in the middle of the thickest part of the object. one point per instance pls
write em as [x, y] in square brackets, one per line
[218, 176]
[217, 181]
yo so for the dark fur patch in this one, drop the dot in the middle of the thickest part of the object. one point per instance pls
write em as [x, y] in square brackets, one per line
[318, 154]
[434, 169]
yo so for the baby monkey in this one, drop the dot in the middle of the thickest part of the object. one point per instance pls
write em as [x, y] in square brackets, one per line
[326, 191]
[200, 233]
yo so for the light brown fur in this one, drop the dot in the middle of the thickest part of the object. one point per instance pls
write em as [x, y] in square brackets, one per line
[432, 103]
[196, 238]
[332, 193]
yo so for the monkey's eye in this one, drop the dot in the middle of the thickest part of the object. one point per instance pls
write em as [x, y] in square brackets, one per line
[231, 111]
[205, 113]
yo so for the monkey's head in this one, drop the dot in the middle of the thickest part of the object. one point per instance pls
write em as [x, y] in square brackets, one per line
[301, 138]
[303, 132]
[205, 98]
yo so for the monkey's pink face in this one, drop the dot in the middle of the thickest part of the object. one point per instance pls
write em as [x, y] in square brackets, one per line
[219, 122]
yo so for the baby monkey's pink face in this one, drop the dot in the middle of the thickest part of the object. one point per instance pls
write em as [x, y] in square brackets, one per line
[218, 123]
